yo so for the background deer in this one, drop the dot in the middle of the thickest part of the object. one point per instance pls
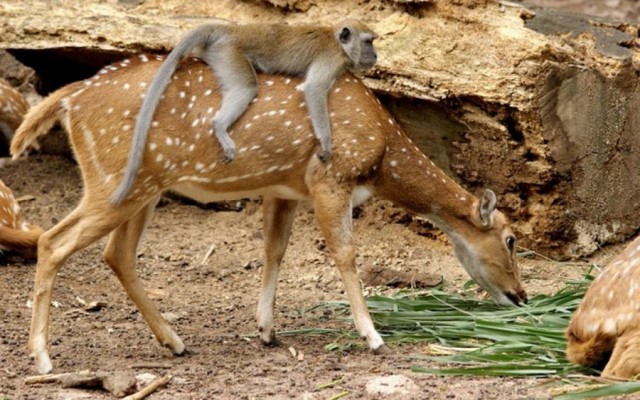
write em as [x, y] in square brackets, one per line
[605, 330]
[16, 234]
[275, 159]
[13, 107]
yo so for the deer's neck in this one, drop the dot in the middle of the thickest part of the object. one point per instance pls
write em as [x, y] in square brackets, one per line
[408, 178]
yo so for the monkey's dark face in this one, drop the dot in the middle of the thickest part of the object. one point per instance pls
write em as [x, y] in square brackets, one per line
[357, 43]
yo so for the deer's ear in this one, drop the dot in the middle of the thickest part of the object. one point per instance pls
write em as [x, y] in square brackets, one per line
[487, 208]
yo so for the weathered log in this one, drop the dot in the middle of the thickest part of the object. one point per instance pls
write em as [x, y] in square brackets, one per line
[538, 105]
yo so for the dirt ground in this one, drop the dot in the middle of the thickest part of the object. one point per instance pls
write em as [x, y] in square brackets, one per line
[211, 304]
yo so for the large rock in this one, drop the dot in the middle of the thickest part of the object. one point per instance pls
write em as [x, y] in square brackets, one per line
[538, 105]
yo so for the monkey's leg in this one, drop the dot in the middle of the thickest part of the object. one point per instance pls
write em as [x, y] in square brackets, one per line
[316, 86]
[238, 83]
[278, 215]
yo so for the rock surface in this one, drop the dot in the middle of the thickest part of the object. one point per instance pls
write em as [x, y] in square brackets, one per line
[535, 104]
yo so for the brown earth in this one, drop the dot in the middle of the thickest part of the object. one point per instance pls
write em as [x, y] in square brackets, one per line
[212, 305]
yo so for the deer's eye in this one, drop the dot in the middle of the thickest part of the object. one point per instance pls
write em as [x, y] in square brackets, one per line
[511, 242]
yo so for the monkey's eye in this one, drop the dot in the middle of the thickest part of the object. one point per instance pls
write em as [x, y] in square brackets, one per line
[510, 242]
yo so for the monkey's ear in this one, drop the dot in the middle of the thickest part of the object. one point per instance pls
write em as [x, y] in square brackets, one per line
[345, 35]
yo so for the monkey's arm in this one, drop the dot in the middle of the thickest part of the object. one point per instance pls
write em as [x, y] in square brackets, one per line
[200, 37]
[321, 76]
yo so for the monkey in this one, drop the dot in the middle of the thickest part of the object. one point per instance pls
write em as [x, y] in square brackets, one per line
[235, 52]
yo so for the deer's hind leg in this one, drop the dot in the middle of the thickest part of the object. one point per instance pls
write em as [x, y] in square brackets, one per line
[120, 255]
[84, 226]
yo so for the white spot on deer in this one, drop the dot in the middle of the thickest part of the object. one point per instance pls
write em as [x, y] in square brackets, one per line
[348, 98]
[393, 163]
[210, 110]
[287, 81]
[404, 149]
[159, 157]
[255, 147]
[609, 326]
[152, 146]
[242, 150]
[199, 166]
[337, 90]
[395, 175]
[195, 122]
[126, 127]
[143, 84]
[248, 126]
[102, 131]
[287, 123]
[302, 104]
[183, 115]
[155, 124]
[144, 58]
[269, 83]
[208, 92]
[168, 141]
[269, 138]
[191, 147]
[346, 122]
[126, 86]
[187, 84]
[296, 142]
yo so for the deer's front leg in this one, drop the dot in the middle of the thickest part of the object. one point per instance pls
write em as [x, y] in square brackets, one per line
[333, 211]
[278, 217]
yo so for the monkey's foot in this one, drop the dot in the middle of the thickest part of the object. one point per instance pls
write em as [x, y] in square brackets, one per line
[229, 155]
[324, 155]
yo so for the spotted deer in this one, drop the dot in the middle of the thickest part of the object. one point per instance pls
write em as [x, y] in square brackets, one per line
[275, 159]
[13, 107]
[604, 333]
[16, 234]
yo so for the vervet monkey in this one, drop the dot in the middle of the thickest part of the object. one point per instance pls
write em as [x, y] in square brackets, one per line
[235, 52]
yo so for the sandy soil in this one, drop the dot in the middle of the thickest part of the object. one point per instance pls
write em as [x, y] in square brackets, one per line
[212, 305]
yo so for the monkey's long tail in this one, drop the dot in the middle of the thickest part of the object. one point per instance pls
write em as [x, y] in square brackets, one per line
[199, 37]
[40, 119]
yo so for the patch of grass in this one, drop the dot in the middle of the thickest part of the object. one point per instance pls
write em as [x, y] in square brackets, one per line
[473, 337]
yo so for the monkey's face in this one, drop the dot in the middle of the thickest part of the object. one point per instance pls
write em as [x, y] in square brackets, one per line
[356, 40]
